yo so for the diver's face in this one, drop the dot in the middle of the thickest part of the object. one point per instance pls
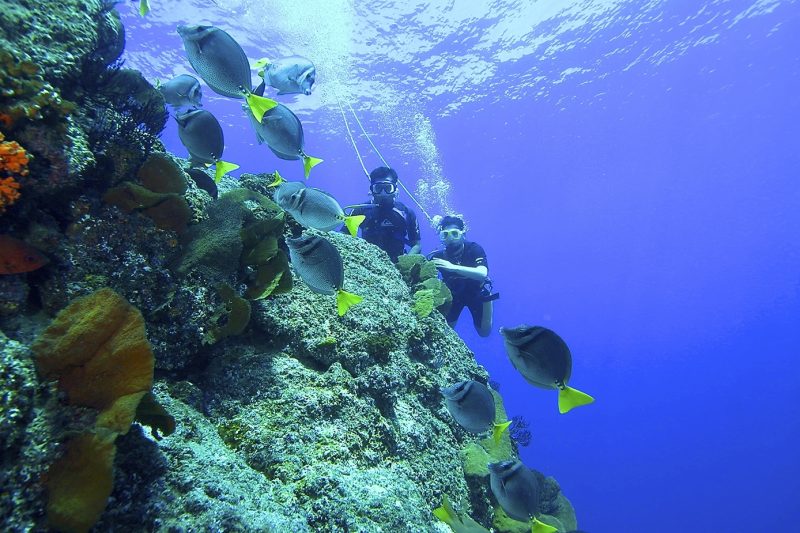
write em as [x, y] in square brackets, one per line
[451, 236]
[384, 192]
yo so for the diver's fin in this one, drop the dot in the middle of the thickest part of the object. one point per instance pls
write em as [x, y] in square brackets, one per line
[144, 7]
[278, 179]
[259, 105]
[497, 432]
[569, 398]
[541, 527]
[353, 222]
[222, 168]
[309, 163]
[445, 512]
[345, 300]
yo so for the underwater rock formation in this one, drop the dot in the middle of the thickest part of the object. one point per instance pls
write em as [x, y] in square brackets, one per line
[290, 418]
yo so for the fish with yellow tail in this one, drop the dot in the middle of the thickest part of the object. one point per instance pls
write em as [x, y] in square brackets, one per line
[518, 492]
[314, 208]
[223, 65]
[201, 134]
[282, 132]
[544, 360]
[320, 266]
[471, 403]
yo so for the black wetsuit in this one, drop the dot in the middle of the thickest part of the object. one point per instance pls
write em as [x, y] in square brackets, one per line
[389, 228]
[470, 293]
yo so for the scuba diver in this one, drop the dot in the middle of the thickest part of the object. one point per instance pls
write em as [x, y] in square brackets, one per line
[389, 224]
[465, 271]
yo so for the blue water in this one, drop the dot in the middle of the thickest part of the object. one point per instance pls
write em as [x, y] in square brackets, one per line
[631, 169]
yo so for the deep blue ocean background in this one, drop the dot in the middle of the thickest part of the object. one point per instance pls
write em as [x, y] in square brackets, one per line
[631, 169]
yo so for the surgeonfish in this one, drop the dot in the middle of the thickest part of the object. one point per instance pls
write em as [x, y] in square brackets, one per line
[182, 91]
[517, 491]
[472, 405]
[544, 360]
[17, 257]
[320, 266]
[459, 523]
[290, 75]
[314, 208]
[201, 134]
[282, 131]
[223, 65]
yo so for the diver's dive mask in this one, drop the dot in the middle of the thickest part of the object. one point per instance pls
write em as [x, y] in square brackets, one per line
[451, 234]
[383, 187]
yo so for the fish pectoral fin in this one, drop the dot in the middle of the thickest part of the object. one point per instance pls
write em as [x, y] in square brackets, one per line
[345, 300]
[309, 163]
[222, 168]
[569, 398]
[259, 105]
[497, 431]
[541, 527]
[353, 222]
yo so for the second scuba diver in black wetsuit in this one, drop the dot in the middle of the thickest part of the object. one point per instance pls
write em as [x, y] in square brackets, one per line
[465, 271]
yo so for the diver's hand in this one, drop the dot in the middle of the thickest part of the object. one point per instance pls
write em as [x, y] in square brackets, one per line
[445, 265]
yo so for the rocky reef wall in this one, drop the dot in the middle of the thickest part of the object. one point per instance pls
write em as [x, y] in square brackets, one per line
[288, 417]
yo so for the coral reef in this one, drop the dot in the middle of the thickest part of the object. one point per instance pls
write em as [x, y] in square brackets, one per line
[287, 417]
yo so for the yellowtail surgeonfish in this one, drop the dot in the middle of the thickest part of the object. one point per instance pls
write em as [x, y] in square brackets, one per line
[518, 492]
[282, 131]
[182, 91]
[223, 65]
[202, 135]
[290, 75]
[320, 266]
[472, 405]
[544, 360]
[314, 208]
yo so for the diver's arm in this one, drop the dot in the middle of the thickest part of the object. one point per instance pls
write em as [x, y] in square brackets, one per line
[479, 273]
